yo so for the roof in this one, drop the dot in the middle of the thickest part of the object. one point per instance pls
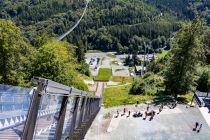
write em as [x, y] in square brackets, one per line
[138, 68]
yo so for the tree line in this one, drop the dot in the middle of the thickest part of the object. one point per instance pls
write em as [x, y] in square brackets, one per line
[108, 25]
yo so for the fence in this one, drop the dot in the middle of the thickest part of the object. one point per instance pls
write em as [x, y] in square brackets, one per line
[53, 112]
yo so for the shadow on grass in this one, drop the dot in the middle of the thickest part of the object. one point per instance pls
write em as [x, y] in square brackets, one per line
[162, 98]
[166, 99]
[182, 100]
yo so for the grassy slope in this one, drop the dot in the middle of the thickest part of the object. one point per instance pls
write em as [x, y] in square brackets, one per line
[115, 96]
[122, 79]
[161, 55]
[118, 95]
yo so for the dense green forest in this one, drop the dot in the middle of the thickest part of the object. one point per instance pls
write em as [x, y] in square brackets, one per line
[121, 25]
[187, 9]
[108, 24]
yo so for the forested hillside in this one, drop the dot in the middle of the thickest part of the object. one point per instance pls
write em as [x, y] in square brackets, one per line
[121, 25]
[187, 9]
[108, 24]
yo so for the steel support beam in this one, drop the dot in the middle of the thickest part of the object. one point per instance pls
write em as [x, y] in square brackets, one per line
[84, 100]
[30, 124]
[74, 116]
[85, 110]
[61, 118]
[90, 111]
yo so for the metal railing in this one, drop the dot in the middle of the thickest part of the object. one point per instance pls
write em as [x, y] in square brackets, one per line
[56, 112]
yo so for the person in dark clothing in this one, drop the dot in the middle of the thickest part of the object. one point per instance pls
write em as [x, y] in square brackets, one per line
[196, 125]
[139, 114]
[147, 107]
[199, 128]
[117, 114]
[161, 106]
[160, 109]
[123, 112]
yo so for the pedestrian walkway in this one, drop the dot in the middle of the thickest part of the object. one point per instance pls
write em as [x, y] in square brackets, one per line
[100, 88]
[170, 124]
[115, 121]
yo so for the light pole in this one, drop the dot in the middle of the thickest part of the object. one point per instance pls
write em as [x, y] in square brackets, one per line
[207, 95]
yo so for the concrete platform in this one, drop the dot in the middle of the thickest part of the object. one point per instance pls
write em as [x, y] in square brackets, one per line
[170, 124]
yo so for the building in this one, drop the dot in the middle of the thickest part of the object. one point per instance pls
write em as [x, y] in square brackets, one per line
[139, 70]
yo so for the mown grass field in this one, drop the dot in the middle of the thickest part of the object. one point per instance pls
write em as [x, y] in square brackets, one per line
[104, 74]
[122, 79]
[119, 95]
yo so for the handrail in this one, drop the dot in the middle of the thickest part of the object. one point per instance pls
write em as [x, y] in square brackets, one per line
[55, 88]
[58, 108]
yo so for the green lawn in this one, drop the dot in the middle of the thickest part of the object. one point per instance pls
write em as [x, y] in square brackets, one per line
[94, 51]
[115, 96]
[122, 79]
[162, 55]
[111, 55]
[104, 74]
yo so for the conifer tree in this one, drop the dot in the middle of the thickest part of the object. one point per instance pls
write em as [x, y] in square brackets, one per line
[186, 55]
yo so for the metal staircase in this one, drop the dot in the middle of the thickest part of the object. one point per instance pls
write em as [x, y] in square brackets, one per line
[54, 112]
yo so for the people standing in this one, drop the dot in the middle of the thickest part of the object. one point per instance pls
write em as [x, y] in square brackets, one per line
[148, 107]
[196, 125]
[199, 128]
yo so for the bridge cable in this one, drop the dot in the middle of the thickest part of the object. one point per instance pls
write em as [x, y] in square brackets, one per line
[77, 23]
